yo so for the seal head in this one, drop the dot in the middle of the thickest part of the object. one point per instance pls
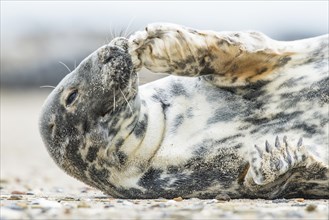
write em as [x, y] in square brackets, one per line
[75, 117]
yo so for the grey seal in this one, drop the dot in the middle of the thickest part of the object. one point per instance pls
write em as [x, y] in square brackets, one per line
[242, 115]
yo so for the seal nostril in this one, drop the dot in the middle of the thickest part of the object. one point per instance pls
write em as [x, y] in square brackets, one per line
[108, 59]
[103, 114]
[51, 128]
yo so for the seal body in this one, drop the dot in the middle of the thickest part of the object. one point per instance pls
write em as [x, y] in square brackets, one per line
[246, 116]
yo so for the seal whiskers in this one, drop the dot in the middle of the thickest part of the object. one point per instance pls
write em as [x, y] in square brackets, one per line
[126, 100]
[48, 86]
[65, 66]
[114, 104]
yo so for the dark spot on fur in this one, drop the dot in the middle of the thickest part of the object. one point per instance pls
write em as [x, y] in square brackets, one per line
[229, 138]
[164, 106]
[140, 128]
[119, 143]
[122, 157]
[151, 180]
[275, 125]
[162, 99]
[243, 174]
[282, 61]
[178, 121]
[74, 157]
[207, 70]
[189, 112]
[178, 89]
[257, 121]
[92, 153]
[133, 123]
[100, 177]
[254, 90]
[234, 79]
[225, 113]
[85, 127]
[173, 169]
[112, 131]
[307, 128]
[261, 71]
[290, 82]
[237, 146]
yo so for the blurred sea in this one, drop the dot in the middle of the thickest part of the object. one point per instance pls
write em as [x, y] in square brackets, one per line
[36, 36]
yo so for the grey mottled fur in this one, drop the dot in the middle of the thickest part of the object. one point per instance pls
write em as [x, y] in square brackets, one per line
[246, 116]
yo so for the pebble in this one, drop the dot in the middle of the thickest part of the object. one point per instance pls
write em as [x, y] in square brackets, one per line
[160, 200]
[15, 207]
[30, 193]
[22, 205]
[102, 197]
[310, 207]
[127, 203]
[36, 206]
[178, 199]
[16, 192]
[58, 190]
[212, 201]
[299, 200]
[15, 197]
[44, 203]
[194, 207]
[280, 201]
[223, 197]
[83, 204]
[298, 204]
[67, 211]
[68, 205]
[159, 205]
[67, 198]
[108, 206]
[171, 202]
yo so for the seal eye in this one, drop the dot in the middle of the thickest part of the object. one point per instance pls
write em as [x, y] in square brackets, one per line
[70, 99]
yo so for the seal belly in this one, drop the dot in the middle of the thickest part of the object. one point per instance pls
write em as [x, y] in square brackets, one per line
[202, 152]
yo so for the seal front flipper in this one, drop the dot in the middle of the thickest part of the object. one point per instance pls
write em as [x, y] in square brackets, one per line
[269, 162]
[286, 169]
[230, 58]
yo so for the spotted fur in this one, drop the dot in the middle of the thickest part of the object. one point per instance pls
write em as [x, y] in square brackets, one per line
[246, 116]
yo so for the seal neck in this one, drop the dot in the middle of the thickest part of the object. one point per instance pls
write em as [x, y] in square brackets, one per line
[138, 141]
[141, 135]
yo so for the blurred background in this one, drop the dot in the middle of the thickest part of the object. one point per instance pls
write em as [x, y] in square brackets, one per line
[40, 41]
